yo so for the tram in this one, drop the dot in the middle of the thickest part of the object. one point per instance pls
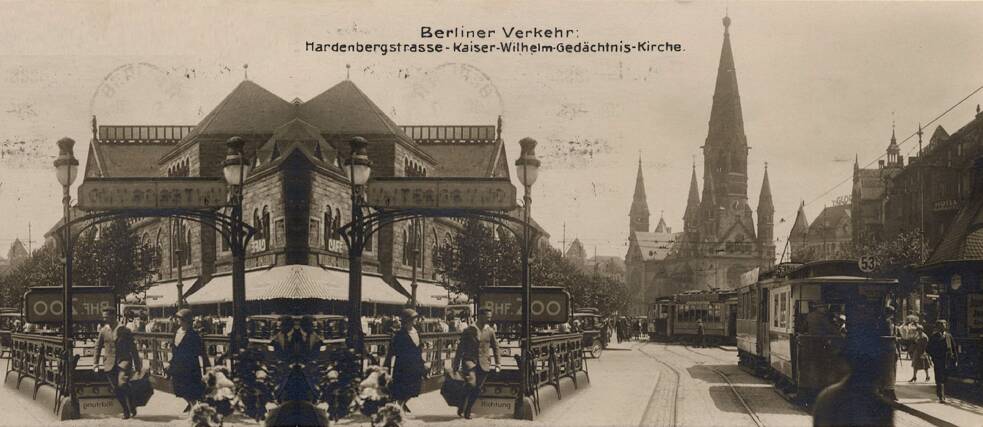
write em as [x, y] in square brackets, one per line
[714, 308]
[792, 323]
[658, 324]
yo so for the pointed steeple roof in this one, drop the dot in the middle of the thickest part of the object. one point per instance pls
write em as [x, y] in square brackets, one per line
[764, 198]
[693, 201]
[726, 118]
[639, 204]
[893, 146]
[662, 227]
[801, 226]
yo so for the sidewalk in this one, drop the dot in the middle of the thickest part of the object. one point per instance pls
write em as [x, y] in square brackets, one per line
[962, 407]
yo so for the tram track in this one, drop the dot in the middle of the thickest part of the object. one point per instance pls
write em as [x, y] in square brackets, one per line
[651, 417]
[737, 394]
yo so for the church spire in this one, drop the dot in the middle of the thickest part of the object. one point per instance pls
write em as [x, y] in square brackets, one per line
[766, 212]
[639, 212]
[801, 226]
[692, 215]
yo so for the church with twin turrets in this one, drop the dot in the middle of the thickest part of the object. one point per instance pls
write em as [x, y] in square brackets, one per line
[719, 241]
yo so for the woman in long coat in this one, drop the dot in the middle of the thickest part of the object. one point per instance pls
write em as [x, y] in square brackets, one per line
[409, 369]
[919, 358]
[185, 369]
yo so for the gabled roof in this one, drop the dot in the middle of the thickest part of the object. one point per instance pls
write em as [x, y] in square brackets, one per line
[963, 239]
[345, 110]
[17, 250]
[248, 109]
[831, 219]
[576, 250]
[661, 228]
[124, 159]
[296, 135]
[469, 160]
[871, 183]
[939, 135]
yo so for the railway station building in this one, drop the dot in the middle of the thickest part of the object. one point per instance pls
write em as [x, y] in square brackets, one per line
[297, 196]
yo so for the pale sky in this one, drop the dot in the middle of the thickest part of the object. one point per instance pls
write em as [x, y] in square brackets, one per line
[819, 83]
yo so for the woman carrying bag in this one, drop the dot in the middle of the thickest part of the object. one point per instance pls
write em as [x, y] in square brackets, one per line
[185, 369]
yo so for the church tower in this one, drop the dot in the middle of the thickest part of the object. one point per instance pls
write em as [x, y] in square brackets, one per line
[691, 219]
[766, 218]
[894, 152]
[725, 152]
[638, 215]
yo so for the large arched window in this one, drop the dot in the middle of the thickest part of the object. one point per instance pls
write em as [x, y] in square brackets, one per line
[406, 247]
[328, 227]
[158, 250]
[337, 223]
[187, 248]
[257, 224]
[266, 228]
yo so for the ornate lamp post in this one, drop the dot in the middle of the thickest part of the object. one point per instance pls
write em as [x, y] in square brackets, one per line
[66, 168]
[359, 169]
[527, 169]
[235, 168]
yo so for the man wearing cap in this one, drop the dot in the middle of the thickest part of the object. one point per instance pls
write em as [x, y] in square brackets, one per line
[116, 361]
[487, 350]
[408, 370]
[185, 368]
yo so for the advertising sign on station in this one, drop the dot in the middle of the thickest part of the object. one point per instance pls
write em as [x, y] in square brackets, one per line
[108, 194]
[45, 304]
[441, 193]
[548, 304]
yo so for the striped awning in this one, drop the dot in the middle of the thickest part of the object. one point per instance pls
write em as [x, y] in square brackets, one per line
[297, 282]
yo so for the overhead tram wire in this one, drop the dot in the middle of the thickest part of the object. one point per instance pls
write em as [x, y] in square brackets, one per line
[850, 178]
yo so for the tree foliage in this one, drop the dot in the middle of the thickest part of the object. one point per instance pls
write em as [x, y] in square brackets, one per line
[479, 257]
[114, 258]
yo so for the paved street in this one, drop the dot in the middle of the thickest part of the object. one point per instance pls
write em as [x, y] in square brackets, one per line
[631, 384]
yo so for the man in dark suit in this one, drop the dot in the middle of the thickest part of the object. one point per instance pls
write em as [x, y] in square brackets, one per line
[942, 348]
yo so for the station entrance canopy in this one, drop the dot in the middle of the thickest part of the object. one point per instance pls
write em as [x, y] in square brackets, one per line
[296, 282]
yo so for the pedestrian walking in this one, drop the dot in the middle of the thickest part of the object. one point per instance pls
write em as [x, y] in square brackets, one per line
[466, 364]
[408, 370]
[478, 358]
[118, 352]
[700, 333]
[942, 348]
[919, 358]
[188, 357]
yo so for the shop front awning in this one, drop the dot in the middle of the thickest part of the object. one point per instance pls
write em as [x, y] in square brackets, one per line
[164, 294]
[430, 294]
[296, 282]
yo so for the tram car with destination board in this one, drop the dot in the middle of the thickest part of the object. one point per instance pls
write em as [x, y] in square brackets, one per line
[659, 319]
[792, 323]
[716, 309]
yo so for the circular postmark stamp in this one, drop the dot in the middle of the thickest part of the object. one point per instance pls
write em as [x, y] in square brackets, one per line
[140, 93]
[455, 92]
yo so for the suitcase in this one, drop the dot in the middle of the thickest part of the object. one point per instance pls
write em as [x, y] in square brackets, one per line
[141, 389]
[454, 389]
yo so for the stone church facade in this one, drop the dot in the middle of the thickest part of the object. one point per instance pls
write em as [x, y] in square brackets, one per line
[719, 241]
